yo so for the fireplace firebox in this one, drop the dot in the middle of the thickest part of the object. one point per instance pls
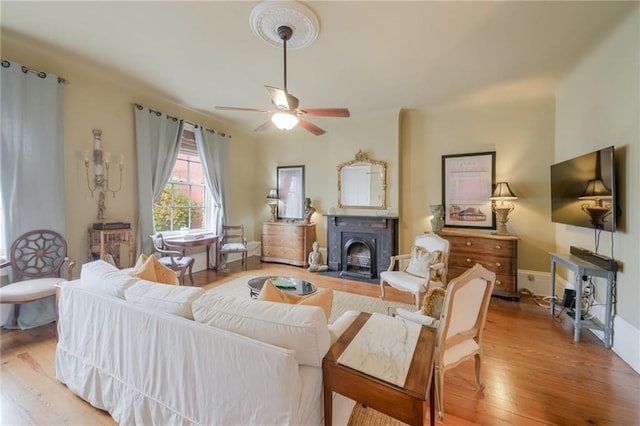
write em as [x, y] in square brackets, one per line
[360, 246]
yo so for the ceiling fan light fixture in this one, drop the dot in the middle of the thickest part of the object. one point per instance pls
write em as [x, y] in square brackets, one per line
[284, 120]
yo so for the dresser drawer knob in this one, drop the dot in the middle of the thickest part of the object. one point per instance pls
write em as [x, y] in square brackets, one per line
[498, 282]
[498, 247]
[468, 260]
[498, 264]
[468, 243]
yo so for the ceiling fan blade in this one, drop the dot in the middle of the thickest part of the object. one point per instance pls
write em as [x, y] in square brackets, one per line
[264, 126]
[311, 127]
[282, 99]
[241, 109]
[328, 112]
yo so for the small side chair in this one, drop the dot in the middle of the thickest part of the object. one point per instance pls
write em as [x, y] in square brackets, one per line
[37, 259]
[173, 257]
[233, 240]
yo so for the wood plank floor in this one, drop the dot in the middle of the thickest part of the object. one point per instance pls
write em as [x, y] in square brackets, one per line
[533, 372]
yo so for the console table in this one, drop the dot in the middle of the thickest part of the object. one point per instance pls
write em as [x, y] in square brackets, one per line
[580, 269]
[407, 403]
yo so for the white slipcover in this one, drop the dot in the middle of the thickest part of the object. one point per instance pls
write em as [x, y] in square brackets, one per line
[148, 367]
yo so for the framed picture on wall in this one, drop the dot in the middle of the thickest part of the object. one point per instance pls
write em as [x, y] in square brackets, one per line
[291, 192]
[467, 182]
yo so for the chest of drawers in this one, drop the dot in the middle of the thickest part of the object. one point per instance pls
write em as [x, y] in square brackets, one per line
[497, 253]
[287, 242]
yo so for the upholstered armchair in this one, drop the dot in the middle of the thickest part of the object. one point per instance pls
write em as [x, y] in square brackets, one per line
[460, 325]
[424, 267]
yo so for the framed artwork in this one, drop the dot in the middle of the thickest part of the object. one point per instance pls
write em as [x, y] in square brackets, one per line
[467, 184]
[291, 192]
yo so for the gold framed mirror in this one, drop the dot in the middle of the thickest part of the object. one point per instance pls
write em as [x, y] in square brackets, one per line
[362, 183]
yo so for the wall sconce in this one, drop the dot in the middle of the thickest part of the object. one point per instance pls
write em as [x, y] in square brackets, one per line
[502, 193]
[598, 212]
[272, 196]
[101, 164]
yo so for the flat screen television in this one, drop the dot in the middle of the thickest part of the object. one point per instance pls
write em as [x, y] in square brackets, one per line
[583, 191]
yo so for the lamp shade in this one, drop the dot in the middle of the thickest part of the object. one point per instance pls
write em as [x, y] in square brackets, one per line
[284, 120]
[273, 194]
[595, 189]
[503, 192]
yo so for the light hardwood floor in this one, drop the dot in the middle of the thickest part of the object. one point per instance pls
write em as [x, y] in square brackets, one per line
[533, 372]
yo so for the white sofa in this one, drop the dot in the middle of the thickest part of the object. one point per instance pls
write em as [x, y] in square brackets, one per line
[128, 347]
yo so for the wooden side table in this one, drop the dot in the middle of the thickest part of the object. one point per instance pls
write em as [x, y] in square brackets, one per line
[406, 403]
[103, 242]
[208, 240]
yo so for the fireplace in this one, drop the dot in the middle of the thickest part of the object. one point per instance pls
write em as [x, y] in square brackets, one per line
[360, 246]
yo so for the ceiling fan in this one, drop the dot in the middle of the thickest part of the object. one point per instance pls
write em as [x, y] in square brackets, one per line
[286, 114]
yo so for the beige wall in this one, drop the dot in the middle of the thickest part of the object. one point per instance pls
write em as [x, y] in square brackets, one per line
[521, 133]
[375, 134]
[598, 105]
[100, 98]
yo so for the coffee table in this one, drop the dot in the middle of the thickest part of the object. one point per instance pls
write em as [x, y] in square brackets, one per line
[290, 285]
[407, 403]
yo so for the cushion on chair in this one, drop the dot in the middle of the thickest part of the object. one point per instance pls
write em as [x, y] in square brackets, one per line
[181, 263]
[174, 300]
[421, 260]
[403, 281]
[26, 291]
[153, 270]
[463, 349]
[322, 298]
[233, 246]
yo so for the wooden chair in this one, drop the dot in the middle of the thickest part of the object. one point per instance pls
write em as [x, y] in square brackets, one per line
[418, 280]
[173, 257]
[232, 240]
[37, 258]
[459, 335]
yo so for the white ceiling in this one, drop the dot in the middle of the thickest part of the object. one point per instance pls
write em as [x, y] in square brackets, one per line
[369, 56]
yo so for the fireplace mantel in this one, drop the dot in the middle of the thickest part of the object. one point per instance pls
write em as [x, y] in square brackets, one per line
[381, 231]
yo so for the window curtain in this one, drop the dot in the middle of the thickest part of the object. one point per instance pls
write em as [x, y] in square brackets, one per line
[214, 152]
[32, 164]
[157, 145]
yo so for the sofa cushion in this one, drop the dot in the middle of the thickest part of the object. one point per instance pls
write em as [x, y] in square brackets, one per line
[322, 298]
[174, 300]
[301, 328]
[102, 277]
[151, 269]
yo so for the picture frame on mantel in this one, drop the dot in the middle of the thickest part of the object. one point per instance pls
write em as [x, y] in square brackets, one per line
[291, 192]
[467, 182]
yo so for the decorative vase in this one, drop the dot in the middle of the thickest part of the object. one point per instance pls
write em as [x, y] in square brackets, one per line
[437, 221]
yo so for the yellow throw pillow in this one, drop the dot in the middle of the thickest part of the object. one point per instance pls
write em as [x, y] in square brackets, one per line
[322, 298]
[153, 270]
[141, 259]
[433, 302]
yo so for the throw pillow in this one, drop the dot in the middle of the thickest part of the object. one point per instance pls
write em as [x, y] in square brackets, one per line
[322, 298]
[433, 302]
[421, 260]
[153, 270]
[141, 259]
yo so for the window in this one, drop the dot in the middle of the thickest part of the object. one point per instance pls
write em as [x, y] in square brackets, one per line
[184, 202]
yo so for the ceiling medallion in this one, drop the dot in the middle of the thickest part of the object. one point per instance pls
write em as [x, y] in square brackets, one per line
[267, 16]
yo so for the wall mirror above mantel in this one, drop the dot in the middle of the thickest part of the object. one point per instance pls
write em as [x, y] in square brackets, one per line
[362, 183]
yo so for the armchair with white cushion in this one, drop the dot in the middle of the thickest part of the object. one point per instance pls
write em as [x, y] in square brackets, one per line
[424, 267]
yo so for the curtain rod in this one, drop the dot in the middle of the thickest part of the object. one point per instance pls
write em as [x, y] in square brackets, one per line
[159, 113]
[25, 69]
